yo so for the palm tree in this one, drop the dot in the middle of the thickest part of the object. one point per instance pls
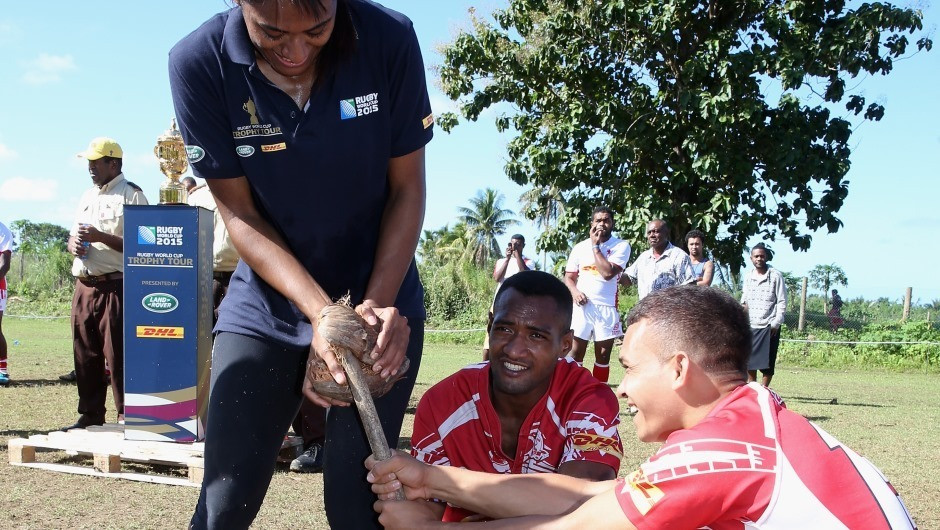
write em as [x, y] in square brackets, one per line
[825, 276]
[428, 244]
[444, 244]
[485, 220]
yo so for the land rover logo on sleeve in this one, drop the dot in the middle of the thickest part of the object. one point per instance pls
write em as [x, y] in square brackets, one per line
[194, 153]
[245, 151]
[160, 302]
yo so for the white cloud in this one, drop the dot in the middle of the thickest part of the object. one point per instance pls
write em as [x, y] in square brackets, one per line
[24, 189]
[441, 103]
[8, 32]
[48, 68]
[6, 153]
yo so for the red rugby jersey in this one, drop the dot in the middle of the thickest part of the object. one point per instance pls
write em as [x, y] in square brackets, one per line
[752, 464]
[577, 419]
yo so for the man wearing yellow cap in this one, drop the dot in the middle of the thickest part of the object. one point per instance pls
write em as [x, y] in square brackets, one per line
[97, 242]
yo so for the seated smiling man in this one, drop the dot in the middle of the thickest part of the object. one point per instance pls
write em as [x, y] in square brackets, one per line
[733, 456]
[529, 409]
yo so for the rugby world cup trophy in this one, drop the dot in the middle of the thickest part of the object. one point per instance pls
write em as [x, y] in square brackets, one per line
[171, 152]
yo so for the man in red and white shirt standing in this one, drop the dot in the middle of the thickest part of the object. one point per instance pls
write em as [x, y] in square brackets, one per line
[526, 410]
[591, 275]
[733, 457]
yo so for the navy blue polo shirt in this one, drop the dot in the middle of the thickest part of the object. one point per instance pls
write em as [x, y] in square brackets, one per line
[318, 175]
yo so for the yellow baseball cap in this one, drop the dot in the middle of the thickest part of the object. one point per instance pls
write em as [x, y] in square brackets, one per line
[101, 147]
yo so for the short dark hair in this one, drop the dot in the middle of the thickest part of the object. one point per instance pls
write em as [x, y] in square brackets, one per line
[602, 209]
[520, 237]
[708, 324]
[695, 233]
[539, 283]
[762, 246]
[342, 42]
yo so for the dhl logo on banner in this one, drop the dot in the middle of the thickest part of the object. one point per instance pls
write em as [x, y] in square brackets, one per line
[155, 332]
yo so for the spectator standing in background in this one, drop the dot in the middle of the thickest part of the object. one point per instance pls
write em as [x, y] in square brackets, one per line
[591, 276]
[662, 265]
[703, 268]
[765, 297]
[97, 242]
[835, 311]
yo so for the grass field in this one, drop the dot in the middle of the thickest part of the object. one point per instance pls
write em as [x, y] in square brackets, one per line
[891, 418]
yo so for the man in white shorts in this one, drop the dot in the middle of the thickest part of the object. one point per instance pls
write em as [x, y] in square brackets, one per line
[591, 275]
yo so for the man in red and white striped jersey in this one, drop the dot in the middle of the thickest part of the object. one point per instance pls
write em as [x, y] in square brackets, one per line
[526, 410]
[733, 456]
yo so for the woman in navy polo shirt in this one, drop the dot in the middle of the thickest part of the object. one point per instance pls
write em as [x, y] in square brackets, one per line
[308, 118]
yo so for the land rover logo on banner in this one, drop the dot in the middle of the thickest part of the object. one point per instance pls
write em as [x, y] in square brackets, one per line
[160, 302]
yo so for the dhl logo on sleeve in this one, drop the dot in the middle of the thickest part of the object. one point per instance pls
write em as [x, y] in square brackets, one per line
[588, 442]
[643, 494]
[158, 332]
[270, 148]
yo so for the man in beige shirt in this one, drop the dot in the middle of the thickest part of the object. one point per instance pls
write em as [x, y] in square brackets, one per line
[97, 242]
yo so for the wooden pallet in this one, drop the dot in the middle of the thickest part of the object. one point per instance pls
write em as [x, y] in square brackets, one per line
[108, 448]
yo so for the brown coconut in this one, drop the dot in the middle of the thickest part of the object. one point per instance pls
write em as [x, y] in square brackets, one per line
[347, 333]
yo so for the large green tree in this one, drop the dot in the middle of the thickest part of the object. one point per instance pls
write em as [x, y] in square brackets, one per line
[731, 116]
[38, 238]
[486, 219]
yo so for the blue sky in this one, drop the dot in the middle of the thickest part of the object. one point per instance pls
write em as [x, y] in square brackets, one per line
[76, 70]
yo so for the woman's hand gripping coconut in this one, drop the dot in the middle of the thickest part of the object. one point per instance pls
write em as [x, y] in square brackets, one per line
[352, 341]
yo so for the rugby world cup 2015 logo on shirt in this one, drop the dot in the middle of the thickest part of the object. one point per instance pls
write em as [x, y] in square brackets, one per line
[164, 236]
[160, 302]
[358, 106]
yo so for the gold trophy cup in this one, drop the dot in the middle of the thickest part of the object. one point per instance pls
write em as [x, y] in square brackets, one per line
[171, 152]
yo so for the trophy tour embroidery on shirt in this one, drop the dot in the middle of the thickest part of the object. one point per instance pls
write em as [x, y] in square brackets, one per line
[255, 126]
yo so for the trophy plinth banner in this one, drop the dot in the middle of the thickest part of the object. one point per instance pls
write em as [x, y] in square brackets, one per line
[171, 152]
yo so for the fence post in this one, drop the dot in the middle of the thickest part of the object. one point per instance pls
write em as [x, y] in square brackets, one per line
[907, 305]
[802, 324]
